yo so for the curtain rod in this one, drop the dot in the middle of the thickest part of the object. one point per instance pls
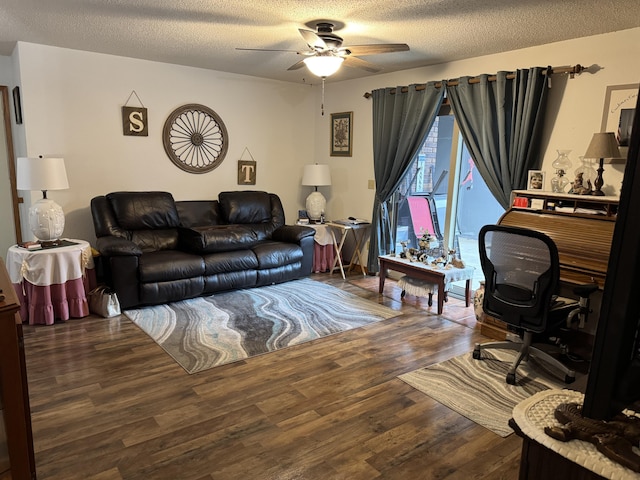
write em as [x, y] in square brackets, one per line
[572, 71]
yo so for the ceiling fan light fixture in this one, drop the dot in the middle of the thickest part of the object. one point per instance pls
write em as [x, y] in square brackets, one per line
[323, 65]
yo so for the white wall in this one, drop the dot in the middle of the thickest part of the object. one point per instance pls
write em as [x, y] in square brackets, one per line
[72, 108]
[575, 108]
[72, 101]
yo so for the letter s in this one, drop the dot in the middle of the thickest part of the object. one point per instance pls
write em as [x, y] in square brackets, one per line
[135, 122]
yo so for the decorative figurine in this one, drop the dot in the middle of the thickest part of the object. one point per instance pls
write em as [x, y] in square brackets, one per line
[577, 187]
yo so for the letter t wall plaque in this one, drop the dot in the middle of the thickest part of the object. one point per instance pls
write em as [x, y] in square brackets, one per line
[246, 172]
[247, 169]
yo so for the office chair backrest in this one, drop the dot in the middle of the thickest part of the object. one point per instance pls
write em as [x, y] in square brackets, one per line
[521, 270]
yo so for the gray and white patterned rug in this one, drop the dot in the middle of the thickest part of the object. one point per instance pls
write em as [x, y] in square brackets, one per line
[477, 389]
[206, 332]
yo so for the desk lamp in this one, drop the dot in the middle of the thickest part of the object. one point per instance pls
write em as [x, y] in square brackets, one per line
[46, 218]
[603, 146]
[316, 176]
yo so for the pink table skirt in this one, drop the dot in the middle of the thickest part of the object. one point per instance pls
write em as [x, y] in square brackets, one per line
[322, 257]
[43, 305]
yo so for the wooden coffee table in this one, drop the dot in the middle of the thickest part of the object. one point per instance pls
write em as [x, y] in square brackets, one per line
[440, 277]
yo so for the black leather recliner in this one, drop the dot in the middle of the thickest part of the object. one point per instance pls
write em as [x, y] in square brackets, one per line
[155, 250]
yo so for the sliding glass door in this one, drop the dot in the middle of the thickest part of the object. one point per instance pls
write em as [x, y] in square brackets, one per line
[444, 194]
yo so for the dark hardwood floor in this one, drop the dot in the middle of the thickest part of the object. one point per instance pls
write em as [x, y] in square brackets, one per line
[108, 403]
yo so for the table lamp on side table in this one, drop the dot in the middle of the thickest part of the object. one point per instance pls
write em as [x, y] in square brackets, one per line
[316, 176]
[603, 146]
[46, 218]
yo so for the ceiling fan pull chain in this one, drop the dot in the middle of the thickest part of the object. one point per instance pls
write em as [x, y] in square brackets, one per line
[322, 104]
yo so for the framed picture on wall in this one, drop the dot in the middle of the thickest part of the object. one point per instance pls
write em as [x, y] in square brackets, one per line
[341, 134]
[17, 105]
[619, 109]
[536, 180]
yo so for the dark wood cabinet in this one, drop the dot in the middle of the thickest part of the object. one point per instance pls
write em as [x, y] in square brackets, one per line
[13, 385]
[539, 463]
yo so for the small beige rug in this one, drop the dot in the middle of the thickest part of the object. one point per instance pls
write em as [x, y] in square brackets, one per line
[477, 389]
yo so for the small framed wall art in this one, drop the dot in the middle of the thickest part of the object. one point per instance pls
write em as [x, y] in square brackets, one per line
[17, 105]
[341, 134]
[619, 109]
[246, 172]
[536, 180]
[247, 169]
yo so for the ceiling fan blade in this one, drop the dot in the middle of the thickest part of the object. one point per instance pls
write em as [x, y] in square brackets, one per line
[267, 50]
[312, 39]
[296, 65]
[356, 62]
[376, 49]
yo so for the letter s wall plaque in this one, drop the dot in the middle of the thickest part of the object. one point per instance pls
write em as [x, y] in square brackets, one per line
[135, 122]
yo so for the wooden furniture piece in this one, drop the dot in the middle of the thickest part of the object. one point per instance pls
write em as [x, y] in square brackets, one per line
[13, 385]
[583, 237]
[544, 457]
[438, 276]
[359, 233]
[52, 283]
[580, 225]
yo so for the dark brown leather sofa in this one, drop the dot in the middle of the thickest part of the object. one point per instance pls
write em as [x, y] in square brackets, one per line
[156, 250]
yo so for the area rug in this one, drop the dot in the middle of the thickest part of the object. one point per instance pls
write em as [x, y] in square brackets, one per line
[206, 332]
[477, 389]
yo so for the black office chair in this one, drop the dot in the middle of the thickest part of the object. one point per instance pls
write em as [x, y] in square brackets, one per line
[521, 270]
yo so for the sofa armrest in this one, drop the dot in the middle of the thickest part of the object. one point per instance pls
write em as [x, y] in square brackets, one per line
[111, 246]
[292, 233]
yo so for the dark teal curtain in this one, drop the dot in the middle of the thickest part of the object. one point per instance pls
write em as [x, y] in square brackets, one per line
[501, 123]
[401, 122]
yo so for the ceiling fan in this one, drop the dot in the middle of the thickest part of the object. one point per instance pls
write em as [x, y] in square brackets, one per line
[326, 54]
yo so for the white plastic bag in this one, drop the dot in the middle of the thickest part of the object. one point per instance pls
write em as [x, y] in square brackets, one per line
[103, 302]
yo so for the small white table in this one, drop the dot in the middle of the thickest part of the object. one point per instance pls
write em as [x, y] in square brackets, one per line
[52, 283]
[359, 232]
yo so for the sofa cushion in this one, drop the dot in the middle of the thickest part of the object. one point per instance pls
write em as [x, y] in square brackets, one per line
[225, 262]
[277, 254]
[198, 213]
[219, 238]
[169, 265]
[245, 207]
[152, 240]
[144, 210]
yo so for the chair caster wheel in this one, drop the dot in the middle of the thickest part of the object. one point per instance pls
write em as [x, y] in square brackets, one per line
[568, 379]
[511, 378]
[476, 354]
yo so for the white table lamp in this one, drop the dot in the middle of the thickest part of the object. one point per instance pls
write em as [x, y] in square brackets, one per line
[316, 176]
[46, 218]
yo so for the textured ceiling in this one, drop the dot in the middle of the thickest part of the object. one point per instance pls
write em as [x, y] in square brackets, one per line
[205, 33]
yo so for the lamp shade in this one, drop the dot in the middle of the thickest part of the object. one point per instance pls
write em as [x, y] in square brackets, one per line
[323, 65]
[316, 175]
[603, 145]
[41, 174]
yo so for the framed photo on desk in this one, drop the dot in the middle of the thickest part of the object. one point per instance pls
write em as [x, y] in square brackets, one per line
[535, 180]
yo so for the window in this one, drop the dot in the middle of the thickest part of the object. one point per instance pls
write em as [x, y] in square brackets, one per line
[444, 193]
